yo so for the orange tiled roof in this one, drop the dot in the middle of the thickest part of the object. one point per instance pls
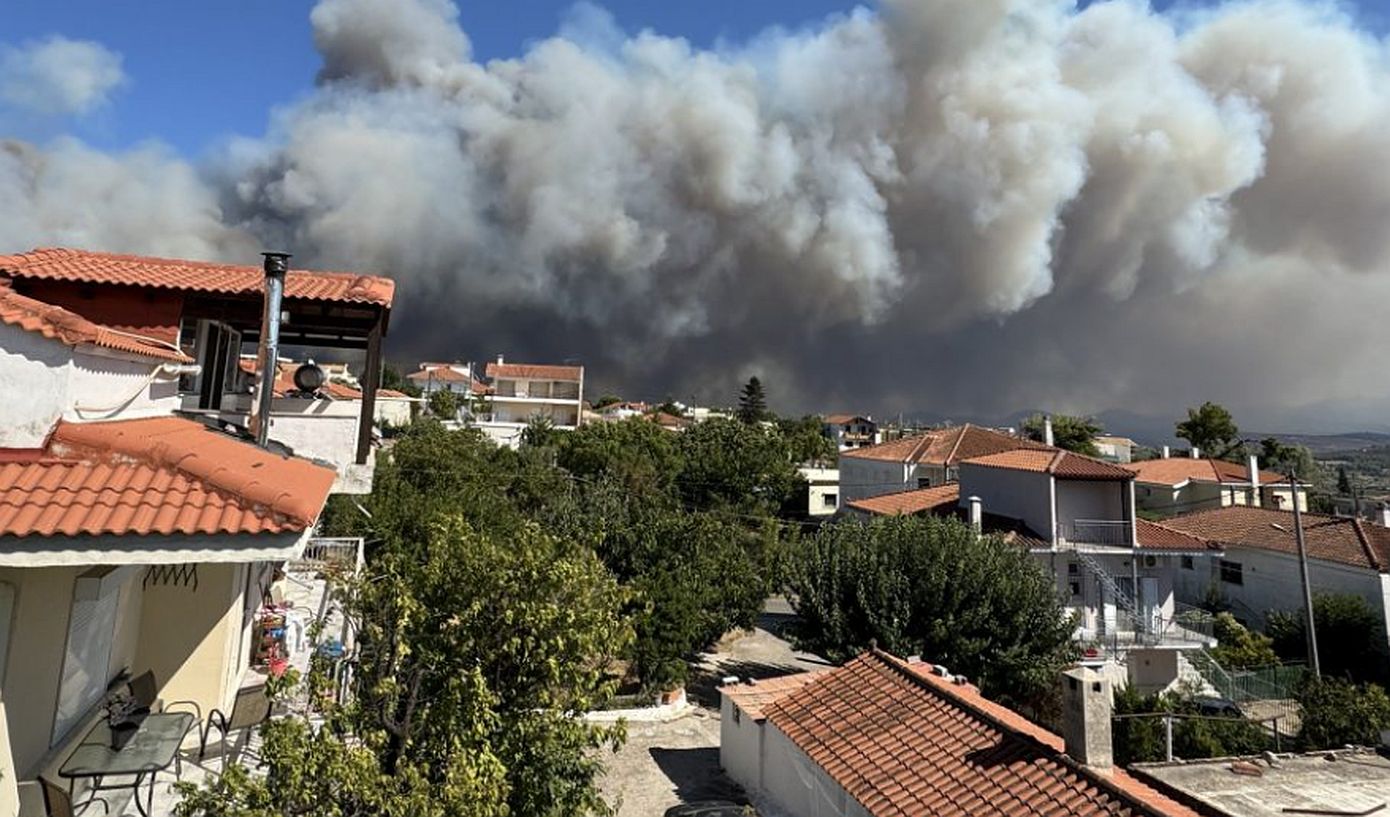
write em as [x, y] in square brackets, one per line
[751, 696]
[904, 742]
[1156, 536]
[391, 393]
[58, 264]
[1057, 462]
[162, 475]
[845, 419]
[1330, 538]
[443, 374]
[944, 446]
[74, 330]
[534, 371]
[1175, 471]
[909, 502]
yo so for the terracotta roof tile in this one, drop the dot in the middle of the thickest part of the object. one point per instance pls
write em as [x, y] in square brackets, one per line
[74, 330]
[1175, 471]
[751, 696]
[161, 475]
[1330, 538]
[443, 374]
[58, 264]
[908, 502]
[536, 371]
[1156, 536]
[902, 741]
[943, 446]
[845, 419]
[1057, 462]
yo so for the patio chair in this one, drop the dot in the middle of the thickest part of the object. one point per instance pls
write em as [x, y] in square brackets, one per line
[58, 803]
[250, 709]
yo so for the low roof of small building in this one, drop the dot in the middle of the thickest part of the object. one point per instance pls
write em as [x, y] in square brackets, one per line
[1157, 536]
[1348, 781]
[1175, 471]
[846, 419]
[903, 741]
[69, 328]
[751, 696]
[162, 475]
[82, 266]
[943, 446]
[1344, 540]
[920, 500]
[1054, 461]
[534, 371]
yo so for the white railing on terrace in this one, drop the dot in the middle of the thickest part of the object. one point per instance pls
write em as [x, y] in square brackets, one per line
[321, 552]
[1118, 532]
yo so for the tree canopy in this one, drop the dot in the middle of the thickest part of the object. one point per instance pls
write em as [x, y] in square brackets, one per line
[752, 402]
[1073, 433]
[1210, 428]
[1276, 455]
[443, 404]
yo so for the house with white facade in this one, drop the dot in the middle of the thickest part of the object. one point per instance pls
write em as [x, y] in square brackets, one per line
[136, 535]
[920, 461]
[518, 393]
[1115, 449]
[1258, 571]
[455, 377]
[849, 431]
[1173, 485]
[822, 490]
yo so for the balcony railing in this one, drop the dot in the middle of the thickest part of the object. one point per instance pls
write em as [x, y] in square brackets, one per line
[1113, 532]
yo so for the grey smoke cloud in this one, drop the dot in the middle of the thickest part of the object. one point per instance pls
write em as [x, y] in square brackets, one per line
[954, 206]
[57, 75]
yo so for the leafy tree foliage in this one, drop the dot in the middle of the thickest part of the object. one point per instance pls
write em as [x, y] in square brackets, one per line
[752, 402]
[928, 586]
[1337, 713]
[607, 400]
[1238, 648]
[391, 378]
[1351, 637]
[1140, 740]
[1283, 458]
[1076, 434]
[1344, 486]
[444, 404]
[730, 464]
[806, 440]
[641, 456]
[1210, 428]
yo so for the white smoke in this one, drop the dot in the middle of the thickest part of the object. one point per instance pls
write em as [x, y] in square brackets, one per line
[949, 205]
[58, 76]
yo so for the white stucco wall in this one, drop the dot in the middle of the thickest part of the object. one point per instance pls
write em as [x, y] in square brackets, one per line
[740, 746]
[863, 478]
[798, 786]
[1022, 495]
[395, 411]
[109, 387]
[822, 490]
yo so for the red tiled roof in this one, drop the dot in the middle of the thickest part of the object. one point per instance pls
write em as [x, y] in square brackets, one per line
[74, 330]
[391, 393]
[1175, 471]
[1156, 536]
[443, 374]
[534, 371]
[904, 742]
[751, 696]
[163, 475]
[845, 419]
[58, 264]
[944, 446]
[1057, 462]
[909, 502]
[1330, 538]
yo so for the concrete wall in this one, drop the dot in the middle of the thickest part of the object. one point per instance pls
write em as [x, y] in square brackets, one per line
[1091, 499]
[561, 413]
[394, 411]
[1206, 496]
[1092, 603]
[1022, 495]
[797, 785]
[740, 746]
[861, 478]
[106, 387]
[822, 490]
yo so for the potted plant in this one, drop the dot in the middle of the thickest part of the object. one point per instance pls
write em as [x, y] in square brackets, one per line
[121, 719]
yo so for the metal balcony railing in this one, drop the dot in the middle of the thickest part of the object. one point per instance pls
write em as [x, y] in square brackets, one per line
[1115, 532]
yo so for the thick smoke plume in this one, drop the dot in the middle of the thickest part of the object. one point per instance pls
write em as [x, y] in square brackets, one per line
[950, 206]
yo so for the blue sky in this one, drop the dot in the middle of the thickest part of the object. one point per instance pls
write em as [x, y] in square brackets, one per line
[199, 71]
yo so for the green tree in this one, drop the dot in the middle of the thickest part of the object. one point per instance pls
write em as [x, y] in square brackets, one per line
[640, 455]
[1073, 433]
[1283, 458]
[806, 440]
[391, 378]
[931, 587]
[1336, 713]
[607, 400]
[752, 402]
[444, 404]
[1344, 486]
[1210, 428]
[1351, 637]
[729, 464]
[1195, 736]
[540, 432]
[1238, 648]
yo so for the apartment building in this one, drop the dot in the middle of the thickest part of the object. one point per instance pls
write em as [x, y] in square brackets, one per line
[518, 393]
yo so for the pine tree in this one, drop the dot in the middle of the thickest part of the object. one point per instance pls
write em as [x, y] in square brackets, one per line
[752, 403]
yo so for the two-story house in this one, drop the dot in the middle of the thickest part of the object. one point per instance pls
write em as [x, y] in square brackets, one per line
[135, 536]
[851, 431]
[455, 377]
[519, 393]
[1174, 485]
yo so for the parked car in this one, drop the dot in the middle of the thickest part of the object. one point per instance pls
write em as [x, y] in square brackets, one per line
[1218, 707]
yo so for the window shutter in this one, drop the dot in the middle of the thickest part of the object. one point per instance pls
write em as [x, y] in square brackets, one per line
[85, 663]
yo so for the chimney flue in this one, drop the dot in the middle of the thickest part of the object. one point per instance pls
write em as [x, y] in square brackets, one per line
[977, 515]
[1253, 466]
[1196, 453]
[1047, 429]
[276, 267]
[1383, 515]
[1166, 452]
[1086, 710]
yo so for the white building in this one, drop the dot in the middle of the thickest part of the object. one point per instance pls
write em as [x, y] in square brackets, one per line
[518, 393]
[851, 431]
[1115, 449]
[921, 461]
[1173, 485]
[455, 377]
[822, 490]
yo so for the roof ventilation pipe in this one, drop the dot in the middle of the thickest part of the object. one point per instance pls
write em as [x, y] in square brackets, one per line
[1047, 429]
[977, 515]
[268, 349]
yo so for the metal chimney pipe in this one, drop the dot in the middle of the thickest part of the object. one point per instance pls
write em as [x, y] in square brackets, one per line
[977, 515]
[1165, 452]
[1047, 430]
[276, 266]
[1253, 468]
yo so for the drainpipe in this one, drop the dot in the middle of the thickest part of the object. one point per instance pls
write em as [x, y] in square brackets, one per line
[268, 350]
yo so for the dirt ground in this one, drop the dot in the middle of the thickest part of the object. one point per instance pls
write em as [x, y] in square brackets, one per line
[666, 764]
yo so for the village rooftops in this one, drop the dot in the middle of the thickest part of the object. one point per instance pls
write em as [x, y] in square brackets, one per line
[121, 486]
[72, 329]
[903, 741]
[944, 446]
[845, 419]
[921, 500]
[1054, 461]
[1178, 471]
[1346, 782]
[1344, 540]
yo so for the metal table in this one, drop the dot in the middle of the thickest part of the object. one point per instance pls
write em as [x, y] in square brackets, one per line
[152, 748]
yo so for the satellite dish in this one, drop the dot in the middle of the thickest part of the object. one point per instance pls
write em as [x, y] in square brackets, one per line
[308, 378]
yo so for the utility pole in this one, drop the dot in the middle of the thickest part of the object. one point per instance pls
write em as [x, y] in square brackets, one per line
[1303, 568]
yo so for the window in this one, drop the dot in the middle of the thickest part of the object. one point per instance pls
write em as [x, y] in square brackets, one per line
[924, 482]
[1073, 568]
[1187, 563]
[829, 500]
[1232, 572]
[87, 656]
[1075, 589]
[218, 355]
